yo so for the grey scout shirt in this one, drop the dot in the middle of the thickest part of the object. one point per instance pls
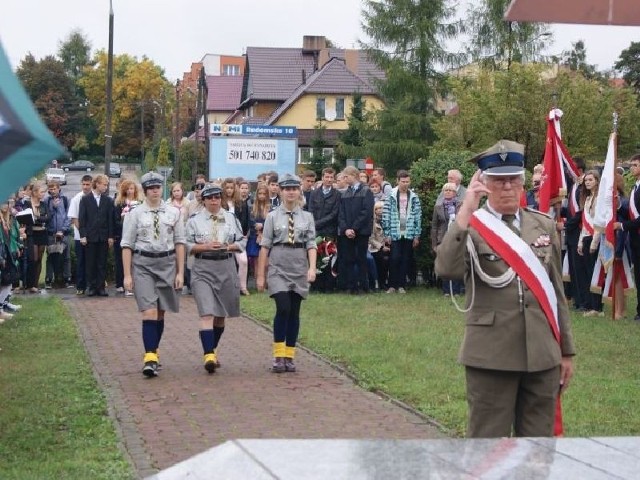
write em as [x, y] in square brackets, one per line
[153, 230]
[204, 227]
[276, 228]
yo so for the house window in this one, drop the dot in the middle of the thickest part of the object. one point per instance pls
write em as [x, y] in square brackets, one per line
[327, 153]
[304, 155]
[339, 108]
[320, 104]
[231, 70]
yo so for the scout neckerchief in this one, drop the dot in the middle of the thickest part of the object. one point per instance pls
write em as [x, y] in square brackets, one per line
[291, 232]
[519, 256]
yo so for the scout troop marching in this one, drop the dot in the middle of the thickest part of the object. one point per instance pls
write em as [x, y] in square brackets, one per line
[154, 239]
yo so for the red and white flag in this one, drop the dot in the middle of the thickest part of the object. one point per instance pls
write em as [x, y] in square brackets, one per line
[607, 271]
[557, 164]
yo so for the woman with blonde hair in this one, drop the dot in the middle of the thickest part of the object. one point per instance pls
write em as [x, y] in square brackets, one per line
[257, 216]
[37, 238]
[129, 196]
[178, 199]
[232, 202]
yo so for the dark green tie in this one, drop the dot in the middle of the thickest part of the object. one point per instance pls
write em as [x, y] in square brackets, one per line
[509, 219]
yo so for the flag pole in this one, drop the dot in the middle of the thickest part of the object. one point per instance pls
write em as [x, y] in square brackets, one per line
[614, 202]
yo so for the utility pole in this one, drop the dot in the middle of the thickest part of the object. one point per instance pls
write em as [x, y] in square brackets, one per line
[196, 150]
[142, 134]
[176, 141]
[109, 113]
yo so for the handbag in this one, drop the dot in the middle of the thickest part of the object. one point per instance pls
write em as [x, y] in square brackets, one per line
[54, 248]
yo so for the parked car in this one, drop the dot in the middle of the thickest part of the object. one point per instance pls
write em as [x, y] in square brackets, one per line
[114, 170]
[56, 174]
[82, 165]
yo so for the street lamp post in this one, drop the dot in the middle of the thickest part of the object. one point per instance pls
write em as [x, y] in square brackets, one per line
[109, 113]
[176, 140]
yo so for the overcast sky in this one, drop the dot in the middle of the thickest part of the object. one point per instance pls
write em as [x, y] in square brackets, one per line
[175, 33]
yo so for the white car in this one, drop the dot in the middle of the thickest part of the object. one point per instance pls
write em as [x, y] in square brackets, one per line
[56, 174]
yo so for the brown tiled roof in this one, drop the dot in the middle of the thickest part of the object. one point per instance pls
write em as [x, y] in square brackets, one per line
[367, 69]
[274, 73]
[223, 92]
[333, 78]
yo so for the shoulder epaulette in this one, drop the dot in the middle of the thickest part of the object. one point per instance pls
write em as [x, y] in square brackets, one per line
[533, 210]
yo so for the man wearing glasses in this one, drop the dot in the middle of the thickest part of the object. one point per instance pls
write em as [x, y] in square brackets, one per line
[152, 244]
[633, 225]
[517, 348]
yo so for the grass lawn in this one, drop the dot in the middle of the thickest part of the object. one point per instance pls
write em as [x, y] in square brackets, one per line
[53, 416]
[406, 346]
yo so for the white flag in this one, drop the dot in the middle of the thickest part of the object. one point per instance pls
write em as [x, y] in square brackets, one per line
[604, 204]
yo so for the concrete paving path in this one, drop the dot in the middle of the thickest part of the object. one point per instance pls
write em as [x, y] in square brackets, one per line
[185, 411]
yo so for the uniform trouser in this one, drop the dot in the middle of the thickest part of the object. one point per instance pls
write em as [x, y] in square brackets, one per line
[81, 266]
[53, 262]
[577, 281]
[586, 264]
[503, 402]
[635, 248]
[117, 261]
[96, 260]
[355, 262]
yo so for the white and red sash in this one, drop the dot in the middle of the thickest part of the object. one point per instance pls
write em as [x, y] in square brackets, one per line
[587, 222]
[519, 256]
[574, 206]
[633, 208]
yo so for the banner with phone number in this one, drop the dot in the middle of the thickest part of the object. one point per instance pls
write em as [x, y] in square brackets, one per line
[252, 151]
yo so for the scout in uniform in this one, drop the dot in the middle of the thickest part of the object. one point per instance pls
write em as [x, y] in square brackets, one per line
[288, 245]
[213, 236]
[517, 348]
[153, 251]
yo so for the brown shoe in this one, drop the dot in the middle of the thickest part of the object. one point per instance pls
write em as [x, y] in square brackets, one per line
[278, 365]
[289, 366]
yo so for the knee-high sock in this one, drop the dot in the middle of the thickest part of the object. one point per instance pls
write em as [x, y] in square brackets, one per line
[160, 326]
[217, 334]
[207, 339]
[150, 335]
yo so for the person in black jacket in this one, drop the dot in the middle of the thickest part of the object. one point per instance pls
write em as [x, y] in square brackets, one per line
[36, 235]
[572, 227]
[95, 220]
[355, 223]
[323, 205]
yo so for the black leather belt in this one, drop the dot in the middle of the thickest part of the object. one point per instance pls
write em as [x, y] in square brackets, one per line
[154, 254]
[213, 256]
[291, 245]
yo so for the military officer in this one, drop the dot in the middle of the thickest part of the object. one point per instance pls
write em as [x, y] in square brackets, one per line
[289, 247]
[213, 235]
[517, 348]
[153, 239]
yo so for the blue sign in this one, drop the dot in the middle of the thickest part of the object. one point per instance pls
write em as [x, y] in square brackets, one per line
[270, 130]
[258, 130]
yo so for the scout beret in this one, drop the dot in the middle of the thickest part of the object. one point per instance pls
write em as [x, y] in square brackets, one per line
[503, 158]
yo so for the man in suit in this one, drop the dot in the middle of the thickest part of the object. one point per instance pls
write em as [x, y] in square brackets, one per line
[95, 219]
[355, 223]
[572, 227]
[518, 348]
[633, 226]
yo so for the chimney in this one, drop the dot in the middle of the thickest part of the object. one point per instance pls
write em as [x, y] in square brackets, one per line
[351, 59]
[313, 43]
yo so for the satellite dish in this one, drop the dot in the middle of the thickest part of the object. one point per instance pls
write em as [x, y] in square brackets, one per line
[330, 115]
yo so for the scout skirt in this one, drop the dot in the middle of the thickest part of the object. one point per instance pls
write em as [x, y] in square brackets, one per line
[288, 270]
[153, 283]
[216, 287]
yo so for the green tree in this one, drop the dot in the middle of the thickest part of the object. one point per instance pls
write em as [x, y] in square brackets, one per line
[629, 65]
[138, 86]
[163, 154]
[576, 60]
[149, 161]
[52, 92]
[350, 141]
[75, 54]
[496, 42]
[317, 161]
[407, 40]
